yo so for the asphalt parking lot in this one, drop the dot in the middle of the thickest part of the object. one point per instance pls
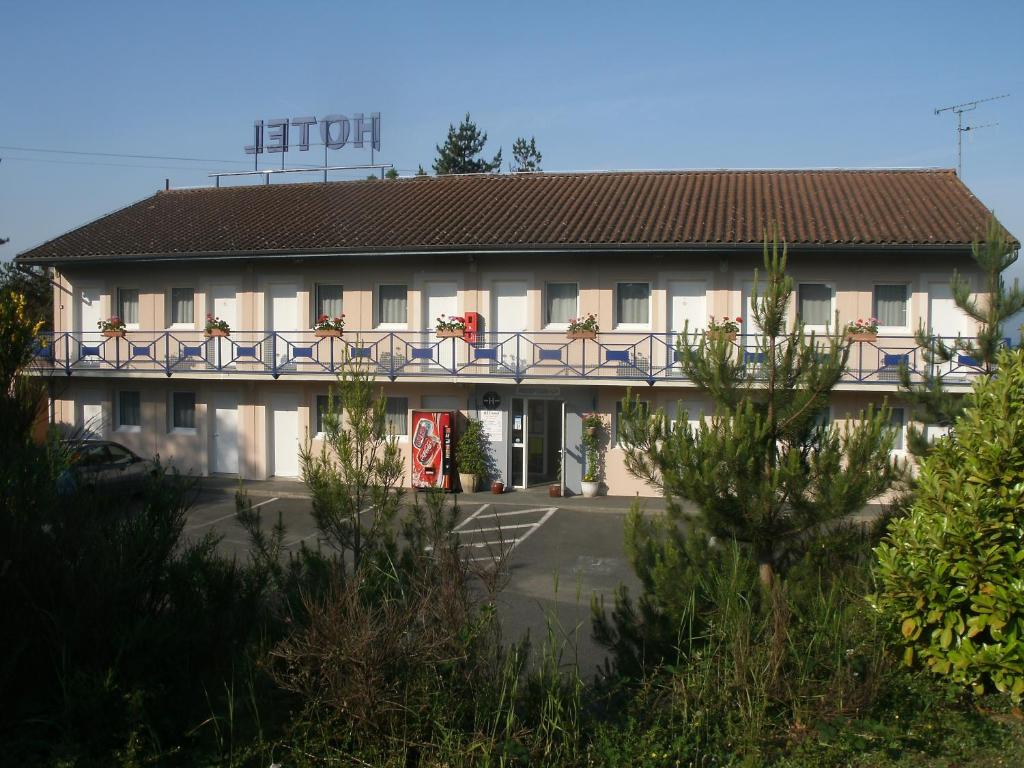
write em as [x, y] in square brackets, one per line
[555, 554]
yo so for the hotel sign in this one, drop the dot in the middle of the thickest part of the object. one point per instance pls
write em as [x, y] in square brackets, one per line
[335, 132]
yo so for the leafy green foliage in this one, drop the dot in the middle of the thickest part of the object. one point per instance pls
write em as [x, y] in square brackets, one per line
[593, 427]
[952, 571]
[471, 451]
[461, 150]
[525, 156]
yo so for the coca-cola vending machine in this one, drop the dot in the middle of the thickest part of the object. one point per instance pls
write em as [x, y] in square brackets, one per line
[432, 445]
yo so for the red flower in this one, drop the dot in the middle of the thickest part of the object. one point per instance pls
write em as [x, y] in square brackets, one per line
[322, 319]
[739, 320]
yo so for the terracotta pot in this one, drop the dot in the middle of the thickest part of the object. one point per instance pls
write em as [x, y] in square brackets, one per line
[450, 334]
[714, 335]
[555, 490]
[497, 487]
[327, 333]
[468, 482]
[114, 334]
[862, 337]
[581, 335]
[217, 332]
[590, 488]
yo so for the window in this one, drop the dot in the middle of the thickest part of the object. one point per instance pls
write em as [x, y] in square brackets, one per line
[322, 405]
[890, 305]
[561, 303]
[129, 411]
[329, 301]
[128, 306]
[898, 422]
[118, 455]
[398, 416]
[183, 306]
[815, 304]
[645, 409]
[392, 305]
[633, 303]
[183, 410]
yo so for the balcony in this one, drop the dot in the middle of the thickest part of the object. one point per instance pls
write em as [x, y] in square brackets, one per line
[614, 357]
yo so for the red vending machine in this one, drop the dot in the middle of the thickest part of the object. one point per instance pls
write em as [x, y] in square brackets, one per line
[432, 443]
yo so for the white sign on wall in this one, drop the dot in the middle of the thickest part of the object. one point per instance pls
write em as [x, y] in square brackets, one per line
[491, 421]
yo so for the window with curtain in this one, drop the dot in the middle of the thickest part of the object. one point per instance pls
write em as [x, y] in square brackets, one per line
[398, 416]
[128, 305]
[561, 304]
[129, 411]
[633, 302]
[329, 301]
[183, 410]
[182, 306]
[392, 305]
[897, 419]
[891, 305]
[815, 304]
[322, 404]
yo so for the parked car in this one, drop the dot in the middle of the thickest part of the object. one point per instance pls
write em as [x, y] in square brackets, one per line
[103, 465]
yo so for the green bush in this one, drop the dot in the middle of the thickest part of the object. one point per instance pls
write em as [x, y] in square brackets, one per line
[952, 571]
[471, 454]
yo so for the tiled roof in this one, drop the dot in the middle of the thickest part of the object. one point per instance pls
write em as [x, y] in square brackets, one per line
[572, 211]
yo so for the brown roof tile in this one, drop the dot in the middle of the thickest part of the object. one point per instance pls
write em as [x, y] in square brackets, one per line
[538, 211]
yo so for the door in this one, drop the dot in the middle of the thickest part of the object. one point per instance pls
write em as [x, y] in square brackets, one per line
[223, 305]
[441, 298]
[284, 435]
[687, 309]
[517, 443]
[225, 434]
[283, 319]
[89, 316]
[91, 418]
[508, 313]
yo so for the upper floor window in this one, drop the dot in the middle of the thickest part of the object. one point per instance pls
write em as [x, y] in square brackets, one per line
[329, 300]
[128, 306]
[182, 306]
[392, 305]
[815, 304]
[561, 304]
[633, 304]
[890, 305]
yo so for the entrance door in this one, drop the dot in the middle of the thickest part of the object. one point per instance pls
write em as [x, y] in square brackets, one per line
[284, 435]
[441, 298]
[225, 433]
[90, 414]
[538, 431]
[283, 319]
[89, 315]
[687, 308]
[223, 304]
[508, 313]
[945, 318]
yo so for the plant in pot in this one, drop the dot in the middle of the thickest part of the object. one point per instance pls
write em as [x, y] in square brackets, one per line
[593, 426]
[862, 330]
[555, 488]
[471, 455]
[583, 327]
[112, 328]
[453, 327]
[329, 327]
[726, 328]
[216, 327]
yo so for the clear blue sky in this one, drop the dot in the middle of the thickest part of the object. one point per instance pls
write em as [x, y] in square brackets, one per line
[600, 85]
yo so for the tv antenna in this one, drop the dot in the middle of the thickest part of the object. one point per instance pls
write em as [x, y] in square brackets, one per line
[961, 129]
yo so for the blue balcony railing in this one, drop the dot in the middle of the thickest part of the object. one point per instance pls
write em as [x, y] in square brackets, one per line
[516, 356]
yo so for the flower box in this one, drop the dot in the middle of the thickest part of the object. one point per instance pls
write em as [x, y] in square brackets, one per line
[327, 333]
[217, 332]
[581, 335]
[862, 337]
[114, 334]
[715, 335]
[455, 334]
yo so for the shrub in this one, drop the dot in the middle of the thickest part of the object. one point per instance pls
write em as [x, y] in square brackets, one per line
[952, 571]
[471, 454]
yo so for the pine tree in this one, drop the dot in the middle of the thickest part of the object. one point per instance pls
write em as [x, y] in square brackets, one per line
[933, 404]
[525, 156]
[420, 171]
[764, 470]
[391, 174]
[460, 152]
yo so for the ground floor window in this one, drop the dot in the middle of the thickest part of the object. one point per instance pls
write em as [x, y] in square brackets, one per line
[398, 416]
[183, 410]
[897, 418]
[129, 411]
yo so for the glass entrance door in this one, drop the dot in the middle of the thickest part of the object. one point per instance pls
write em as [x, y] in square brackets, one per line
[536, 445]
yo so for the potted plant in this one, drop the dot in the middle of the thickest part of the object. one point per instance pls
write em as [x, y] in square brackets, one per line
[471, 455]
[583, 327]
[726, 328]
[497, 487]
[112, 328]
[862, 330]
[329, 327]
[216, 327]
[555, 488]
[451, 327]
[593, 425]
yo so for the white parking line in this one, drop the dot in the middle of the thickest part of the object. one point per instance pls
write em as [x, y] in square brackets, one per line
[498, 528]
[225, 517]
[471, 518]
[514, 542]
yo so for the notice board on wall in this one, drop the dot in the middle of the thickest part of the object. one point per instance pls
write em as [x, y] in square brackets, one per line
[491, 421]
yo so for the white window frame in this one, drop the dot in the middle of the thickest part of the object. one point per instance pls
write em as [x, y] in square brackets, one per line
[315, 306]
[118, 426]
[318, 433]
[376, 310]
[884, 330]
[171, 428]
[544, 308]
[408, 410]
[117, 306]
[903, 430]
[171, 325]
[831, 306]
[650, 307]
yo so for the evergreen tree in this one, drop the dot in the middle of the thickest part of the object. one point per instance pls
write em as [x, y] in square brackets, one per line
[391, 174]
[933, 404]
[420, 171]
[461, 150]
[763, 471]
[525, 156]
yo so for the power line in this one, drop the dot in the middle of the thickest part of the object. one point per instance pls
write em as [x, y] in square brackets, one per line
[119, 154]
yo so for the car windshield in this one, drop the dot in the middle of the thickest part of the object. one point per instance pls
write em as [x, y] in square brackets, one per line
[120, 455]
